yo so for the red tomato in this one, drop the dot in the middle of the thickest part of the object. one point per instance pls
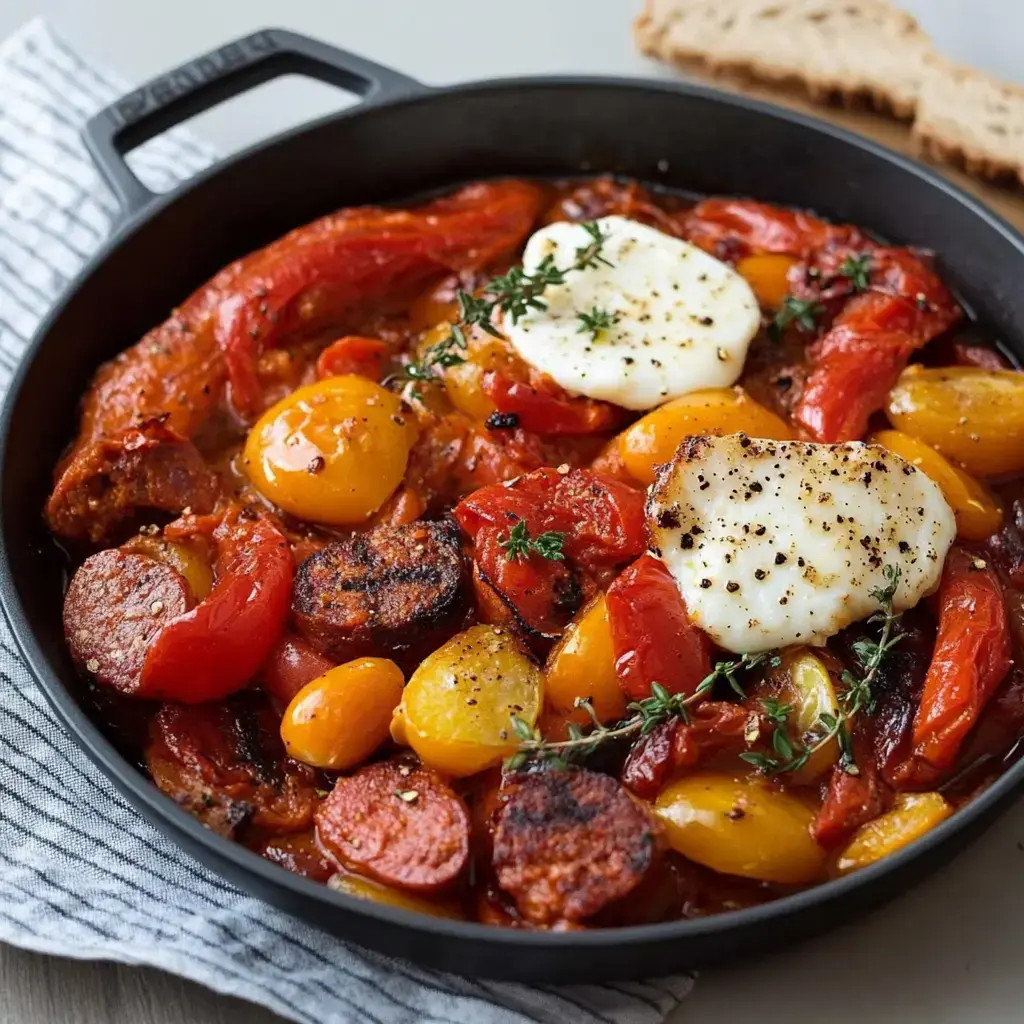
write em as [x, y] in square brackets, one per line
[652, 636]
[602, 519]
[217, 647]
[292, 664]
[973, 653]
[542, 594]
[544, 408]
[352, 354]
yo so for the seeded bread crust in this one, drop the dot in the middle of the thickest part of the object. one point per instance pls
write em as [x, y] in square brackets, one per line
[971, 120]
[850, 51]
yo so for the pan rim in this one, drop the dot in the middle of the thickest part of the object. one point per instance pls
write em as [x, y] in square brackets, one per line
[164, 814]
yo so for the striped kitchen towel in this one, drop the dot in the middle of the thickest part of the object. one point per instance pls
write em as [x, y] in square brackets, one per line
[81, 874]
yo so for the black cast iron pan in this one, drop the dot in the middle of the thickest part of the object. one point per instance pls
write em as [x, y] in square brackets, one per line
[402, 140]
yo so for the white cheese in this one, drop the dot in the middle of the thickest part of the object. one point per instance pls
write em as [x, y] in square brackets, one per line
[774, 543]
[682, 319]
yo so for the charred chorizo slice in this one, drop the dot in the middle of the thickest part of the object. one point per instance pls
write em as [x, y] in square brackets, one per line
[146, 467]
[225, 764]
[394, 589]
[398, 823]
[116, 604]
[567, 844]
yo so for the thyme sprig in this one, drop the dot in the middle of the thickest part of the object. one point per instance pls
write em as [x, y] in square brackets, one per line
[596, 321]
[802, 312]
[520, 545]
[858, 270]
[789, 756]
[514, 293]
[647, 714]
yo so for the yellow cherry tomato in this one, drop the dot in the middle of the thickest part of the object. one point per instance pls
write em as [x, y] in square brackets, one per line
[766, 275]
[582, 665]
[913, 815]
[183, 557]
[978, 511]
[653, 439]
[374, 892]
[331, 452]
[741, 827]
[464, 382]
[807, 687]
[971, 415]
[339, 719]
[457, 709]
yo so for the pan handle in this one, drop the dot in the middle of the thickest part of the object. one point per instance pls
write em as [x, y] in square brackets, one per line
[202, 83]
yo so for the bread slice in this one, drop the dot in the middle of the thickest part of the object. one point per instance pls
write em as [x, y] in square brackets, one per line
[967, 118]
[850, 50]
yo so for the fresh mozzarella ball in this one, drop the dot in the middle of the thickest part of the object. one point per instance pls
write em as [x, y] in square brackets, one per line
[774, 543]
[682, 319]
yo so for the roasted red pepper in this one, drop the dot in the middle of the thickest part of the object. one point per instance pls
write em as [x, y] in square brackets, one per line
[973, 653]
[852, 800]
[856, 363]
[544, 408]
[738, 227]
[216, 648]
[357, 257]
[353, 354]
[652, 636]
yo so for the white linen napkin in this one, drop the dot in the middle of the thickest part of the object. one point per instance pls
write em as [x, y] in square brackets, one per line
[81, 873]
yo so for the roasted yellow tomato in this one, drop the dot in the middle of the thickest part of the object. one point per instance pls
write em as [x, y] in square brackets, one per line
[457, 709]
[182, 557]
[331, 452]
[807, 688]
[767, 276]
[977, 510]
[366, 889]
[741, 827]
[653, 439]
[339, 719]
[582, 665]
[970, 415]
[464, 382]
[913, 815]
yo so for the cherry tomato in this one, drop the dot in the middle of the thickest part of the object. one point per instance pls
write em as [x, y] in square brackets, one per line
[653, 638]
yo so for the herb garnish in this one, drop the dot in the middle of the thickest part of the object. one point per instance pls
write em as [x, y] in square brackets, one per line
[647, 715]
[521, 545]
[514, 293]
[858, 270]
[596, 321]
[802, 312]
[787, 756]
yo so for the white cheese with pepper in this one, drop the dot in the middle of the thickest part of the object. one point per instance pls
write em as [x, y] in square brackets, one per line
[775, 543]
[678, 319]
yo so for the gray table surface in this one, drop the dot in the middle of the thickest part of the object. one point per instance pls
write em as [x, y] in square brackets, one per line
[948, 951]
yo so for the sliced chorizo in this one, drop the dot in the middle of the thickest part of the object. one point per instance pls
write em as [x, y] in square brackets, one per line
[298, 854]
[399, 823]
[568, 843]
[145, 467]
[116, 604]
[393, 589]
[225, 764]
